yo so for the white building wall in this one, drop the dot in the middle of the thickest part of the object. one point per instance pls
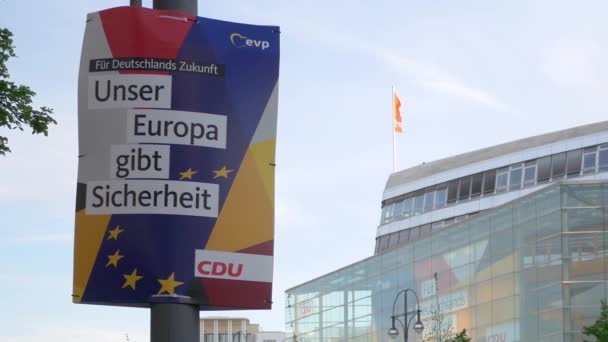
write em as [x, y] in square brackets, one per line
[270, 336]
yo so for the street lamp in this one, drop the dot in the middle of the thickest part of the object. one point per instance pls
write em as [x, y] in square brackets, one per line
[405, 324]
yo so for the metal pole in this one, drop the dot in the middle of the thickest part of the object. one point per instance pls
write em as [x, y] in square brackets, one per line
[406, 325]
[186, 6]
[174, 318]
[173, 322]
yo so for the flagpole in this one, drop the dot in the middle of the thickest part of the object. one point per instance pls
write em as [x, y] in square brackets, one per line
[393, 128]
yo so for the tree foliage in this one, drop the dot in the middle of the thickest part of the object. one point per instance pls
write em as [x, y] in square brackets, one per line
[16, 109]
[460, 337]
[599, 329]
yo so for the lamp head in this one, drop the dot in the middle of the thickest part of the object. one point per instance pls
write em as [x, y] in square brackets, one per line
[418, 327]
[392, 332]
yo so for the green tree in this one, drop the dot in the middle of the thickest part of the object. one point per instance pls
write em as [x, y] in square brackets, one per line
[599, 329]
[460, 337]
[16, 100]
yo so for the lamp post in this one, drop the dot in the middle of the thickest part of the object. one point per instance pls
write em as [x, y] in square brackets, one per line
[405, 324]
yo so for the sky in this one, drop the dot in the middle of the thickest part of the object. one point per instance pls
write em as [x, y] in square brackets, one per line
[470, 74]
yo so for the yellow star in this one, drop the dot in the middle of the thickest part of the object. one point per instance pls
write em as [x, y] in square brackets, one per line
[114, 233]
[169, 284]
[187, 174]
[223, 172]
[114, 259]
[131, 279]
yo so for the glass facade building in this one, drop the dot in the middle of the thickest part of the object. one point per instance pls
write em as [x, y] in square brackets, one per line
[532, 269]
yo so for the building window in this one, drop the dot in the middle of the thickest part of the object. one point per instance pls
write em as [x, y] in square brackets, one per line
[589, 160]
[414, 233]
[441, 196]
[544, 169]
[502, 179]
[384, 243]
[429, 199]
[530, 173]
[515, 177]
[464, 189]
[489, 181]
[404, 236]
[387, 213]
[558, 165]
[476, 183]
[603, 158]
[393, 240]
[573, 162]
[453, 191]
[398, 210]
[425, 231]
[418, 202]
[407, 207]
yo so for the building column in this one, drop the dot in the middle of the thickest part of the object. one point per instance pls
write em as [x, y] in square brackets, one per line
[202, 339]
[216, 337]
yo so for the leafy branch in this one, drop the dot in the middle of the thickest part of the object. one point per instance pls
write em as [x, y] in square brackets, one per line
[16, 111]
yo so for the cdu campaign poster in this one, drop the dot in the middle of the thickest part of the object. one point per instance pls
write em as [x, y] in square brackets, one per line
[177, 130]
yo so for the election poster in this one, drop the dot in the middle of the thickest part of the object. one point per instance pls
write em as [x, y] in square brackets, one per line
[177, 130]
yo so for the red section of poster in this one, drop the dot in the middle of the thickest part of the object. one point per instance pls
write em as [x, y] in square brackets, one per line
[264, 248]
[245, 294]
[131, 32]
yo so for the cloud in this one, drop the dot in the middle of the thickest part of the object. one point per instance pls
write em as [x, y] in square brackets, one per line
[427, 75]
[459, 89]
[434, 78]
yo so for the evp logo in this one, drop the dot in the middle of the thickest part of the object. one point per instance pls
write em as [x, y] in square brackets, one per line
[233, 266]
[240, 41]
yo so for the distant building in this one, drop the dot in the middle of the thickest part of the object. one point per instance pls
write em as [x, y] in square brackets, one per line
[233, 329]
[270, 336]
[423, 199]
[509, 242]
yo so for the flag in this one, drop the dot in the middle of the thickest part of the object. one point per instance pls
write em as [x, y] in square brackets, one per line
[397, 113]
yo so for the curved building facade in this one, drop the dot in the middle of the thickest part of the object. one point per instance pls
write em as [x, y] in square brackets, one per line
[508, 242]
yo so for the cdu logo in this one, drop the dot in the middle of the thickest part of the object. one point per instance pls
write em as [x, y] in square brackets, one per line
[240, 41]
